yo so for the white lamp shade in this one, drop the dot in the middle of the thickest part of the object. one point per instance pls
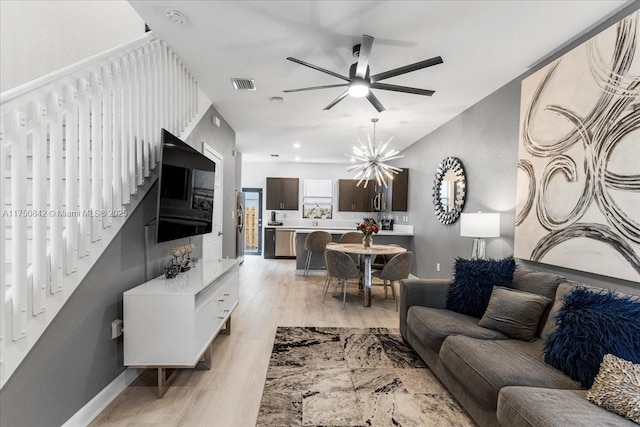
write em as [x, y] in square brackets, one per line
[480, 225]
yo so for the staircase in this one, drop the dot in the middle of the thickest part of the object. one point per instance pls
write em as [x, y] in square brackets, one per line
[77, 150]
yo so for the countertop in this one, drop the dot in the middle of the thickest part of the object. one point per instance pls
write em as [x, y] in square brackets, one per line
[399, 230]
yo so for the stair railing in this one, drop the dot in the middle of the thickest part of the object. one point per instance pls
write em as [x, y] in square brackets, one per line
[75, 146]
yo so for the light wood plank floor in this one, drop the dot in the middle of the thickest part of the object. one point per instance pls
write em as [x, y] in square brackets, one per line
[228, 395]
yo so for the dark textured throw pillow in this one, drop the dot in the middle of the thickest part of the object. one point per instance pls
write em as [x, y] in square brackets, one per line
[589, 325]
[514, 313]
[473, 282]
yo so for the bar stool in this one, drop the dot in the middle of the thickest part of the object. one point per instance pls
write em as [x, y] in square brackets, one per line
[316, 241]
[396, 269]
[342, 267]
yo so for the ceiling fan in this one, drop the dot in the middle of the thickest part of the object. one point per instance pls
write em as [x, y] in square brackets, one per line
[360, 82]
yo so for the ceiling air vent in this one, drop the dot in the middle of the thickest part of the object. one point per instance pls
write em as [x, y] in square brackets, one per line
[244, 84]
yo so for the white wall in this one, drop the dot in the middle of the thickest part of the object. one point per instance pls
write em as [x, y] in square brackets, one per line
[39, 37]
[254, 175]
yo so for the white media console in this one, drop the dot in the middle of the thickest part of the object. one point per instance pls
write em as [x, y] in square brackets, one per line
[171, 323]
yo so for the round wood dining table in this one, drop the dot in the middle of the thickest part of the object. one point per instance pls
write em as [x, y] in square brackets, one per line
[367, 253]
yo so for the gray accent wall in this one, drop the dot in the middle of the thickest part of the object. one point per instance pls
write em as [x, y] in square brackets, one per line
[485, 139]
[223, 140]
[76, 358]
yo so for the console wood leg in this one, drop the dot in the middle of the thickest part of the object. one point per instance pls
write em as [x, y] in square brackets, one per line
[205, 360]
[227, 327]
[165, 381]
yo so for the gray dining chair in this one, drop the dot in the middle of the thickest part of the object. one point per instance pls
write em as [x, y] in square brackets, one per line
[396, 269]
[380, 260]
[342, 267]
[316, 242]
[351, 237]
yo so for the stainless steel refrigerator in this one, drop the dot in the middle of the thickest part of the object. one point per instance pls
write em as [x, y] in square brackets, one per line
[240, 226]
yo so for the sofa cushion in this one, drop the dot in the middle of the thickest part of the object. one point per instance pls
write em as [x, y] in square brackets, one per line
[433, 325]
[531, 406]
[514, 313]
[589, 325]
[550, 325]
[617, 387]
[473, 282]
[536, 282]
[484, 367]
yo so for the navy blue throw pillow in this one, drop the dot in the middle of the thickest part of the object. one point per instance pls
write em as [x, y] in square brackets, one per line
[589, 325]
[473, 281]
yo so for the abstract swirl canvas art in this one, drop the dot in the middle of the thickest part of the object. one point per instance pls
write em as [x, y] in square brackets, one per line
[578, 180]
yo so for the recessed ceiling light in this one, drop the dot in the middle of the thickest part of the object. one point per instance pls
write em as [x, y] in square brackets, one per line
[296, 145]
[297, 159]
[176, 16]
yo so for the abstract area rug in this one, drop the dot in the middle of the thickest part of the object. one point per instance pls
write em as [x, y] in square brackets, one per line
[352, 377]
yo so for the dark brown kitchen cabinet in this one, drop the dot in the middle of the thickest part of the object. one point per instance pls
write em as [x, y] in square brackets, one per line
[282, 194]
[354, 198]
[400, 191]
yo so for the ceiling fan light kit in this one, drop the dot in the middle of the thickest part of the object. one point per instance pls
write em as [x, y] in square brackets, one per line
[373, 158]
[358, 88]
[359, 81]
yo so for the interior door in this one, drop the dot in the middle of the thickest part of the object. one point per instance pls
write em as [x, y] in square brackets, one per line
[212, 242]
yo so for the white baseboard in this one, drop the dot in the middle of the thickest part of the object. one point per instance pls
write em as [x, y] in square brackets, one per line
[95, 406]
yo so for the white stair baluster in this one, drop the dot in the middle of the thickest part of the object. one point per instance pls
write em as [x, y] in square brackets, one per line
[127, 140]
[135, 109]
[107, 147]
[117, 136]
[164, 84]
[142, 130]
[71, 176]
[148, 110]
[18, 141]
[96, 155]
[38, 127]
[174, 94]
[56, 171]
[84, 154]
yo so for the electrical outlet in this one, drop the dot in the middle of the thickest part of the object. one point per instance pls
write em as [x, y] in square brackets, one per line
[116, 328]
[437, 266]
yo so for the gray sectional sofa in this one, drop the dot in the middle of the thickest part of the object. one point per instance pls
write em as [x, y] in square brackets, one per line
[498, 380]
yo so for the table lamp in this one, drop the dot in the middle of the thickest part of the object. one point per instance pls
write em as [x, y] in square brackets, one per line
[479, 226]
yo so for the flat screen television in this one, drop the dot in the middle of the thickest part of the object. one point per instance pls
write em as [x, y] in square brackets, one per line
[185, 191]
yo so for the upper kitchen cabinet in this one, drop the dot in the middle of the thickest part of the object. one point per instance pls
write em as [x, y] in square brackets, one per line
[282, 194]
[400, 191]
[354, 198]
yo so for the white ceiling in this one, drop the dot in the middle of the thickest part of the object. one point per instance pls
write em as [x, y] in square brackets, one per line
[484, 44]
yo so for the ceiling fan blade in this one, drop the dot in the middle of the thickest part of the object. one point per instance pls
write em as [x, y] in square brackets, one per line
[407, 69]
[315, 67]
[405, 89]
[375, 102]
[315, 87]
[363, 56]
[338, 99]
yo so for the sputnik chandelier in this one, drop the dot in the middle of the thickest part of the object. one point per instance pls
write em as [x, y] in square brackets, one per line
[373, 158]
